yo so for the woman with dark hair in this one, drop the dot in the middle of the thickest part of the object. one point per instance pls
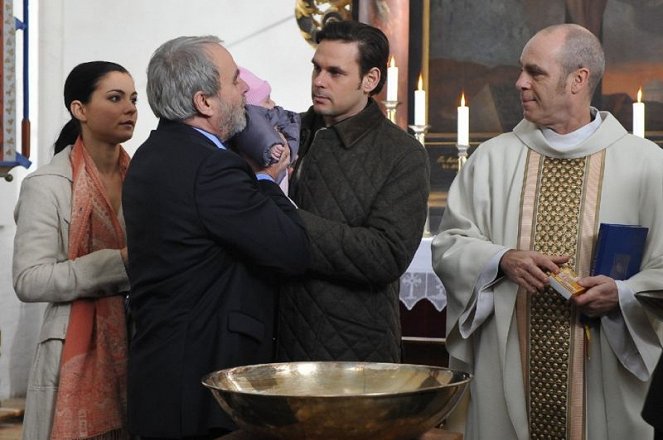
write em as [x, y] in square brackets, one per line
[70, 252]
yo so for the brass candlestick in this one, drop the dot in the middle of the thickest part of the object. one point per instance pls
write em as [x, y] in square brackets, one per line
[391, 109]
[420, 134]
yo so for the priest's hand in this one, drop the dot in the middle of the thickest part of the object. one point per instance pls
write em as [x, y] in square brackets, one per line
[601, 296]
[529, 269]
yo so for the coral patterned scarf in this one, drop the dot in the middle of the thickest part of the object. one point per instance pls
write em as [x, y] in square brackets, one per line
[91, 400]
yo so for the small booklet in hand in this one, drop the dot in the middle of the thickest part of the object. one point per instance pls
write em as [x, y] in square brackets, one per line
[619, 250]
[565, 282]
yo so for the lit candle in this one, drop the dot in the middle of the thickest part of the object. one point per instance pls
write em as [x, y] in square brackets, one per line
[420, 104]
[392, 80]
[639, 116]
[463, 122]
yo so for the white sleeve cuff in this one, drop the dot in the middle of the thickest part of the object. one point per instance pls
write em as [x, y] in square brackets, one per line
[481, 305]
[630, 335]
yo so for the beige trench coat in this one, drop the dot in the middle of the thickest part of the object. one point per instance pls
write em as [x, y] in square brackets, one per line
[42, 273]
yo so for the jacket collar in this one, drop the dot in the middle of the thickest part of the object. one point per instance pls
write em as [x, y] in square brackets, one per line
[349, 130]
[60, 165]
[166, 125]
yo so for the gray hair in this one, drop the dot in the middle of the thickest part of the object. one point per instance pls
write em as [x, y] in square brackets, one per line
[179, 69]
[581, 49]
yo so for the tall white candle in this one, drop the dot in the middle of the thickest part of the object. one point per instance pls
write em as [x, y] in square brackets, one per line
[420, 104]
[463, 122]
[392, 80]
[639, 116]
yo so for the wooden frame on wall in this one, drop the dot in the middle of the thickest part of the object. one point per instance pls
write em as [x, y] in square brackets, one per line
[474, 47]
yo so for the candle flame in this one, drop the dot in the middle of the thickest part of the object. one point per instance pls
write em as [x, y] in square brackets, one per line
[420, 85]
[392, 62]
[462, 99]
[640, 94]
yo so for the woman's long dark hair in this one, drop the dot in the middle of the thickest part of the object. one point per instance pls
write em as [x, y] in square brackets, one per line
[81, 82]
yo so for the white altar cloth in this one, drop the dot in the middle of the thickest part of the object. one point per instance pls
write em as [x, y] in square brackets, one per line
[420, 282]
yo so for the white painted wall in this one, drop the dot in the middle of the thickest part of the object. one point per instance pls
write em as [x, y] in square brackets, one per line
[261, 34]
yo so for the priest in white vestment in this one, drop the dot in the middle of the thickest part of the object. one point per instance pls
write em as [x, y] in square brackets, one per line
[525, 204]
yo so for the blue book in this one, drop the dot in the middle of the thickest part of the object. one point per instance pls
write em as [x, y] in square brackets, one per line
[618, 250]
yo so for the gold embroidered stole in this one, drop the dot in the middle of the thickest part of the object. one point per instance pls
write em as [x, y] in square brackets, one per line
[559, 210]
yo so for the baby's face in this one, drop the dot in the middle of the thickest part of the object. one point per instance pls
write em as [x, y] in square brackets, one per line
[268, 103]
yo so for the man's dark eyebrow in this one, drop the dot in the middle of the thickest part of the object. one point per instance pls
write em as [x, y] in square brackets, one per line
[332, 69]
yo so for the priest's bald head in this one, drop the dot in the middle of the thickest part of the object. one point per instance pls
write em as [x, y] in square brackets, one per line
[561, 66]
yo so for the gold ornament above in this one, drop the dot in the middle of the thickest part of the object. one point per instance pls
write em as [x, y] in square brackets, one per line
[313, 15]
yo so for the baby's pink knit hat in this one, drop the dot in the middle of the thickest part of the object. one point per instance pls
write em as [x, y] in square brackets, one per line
[259, 89]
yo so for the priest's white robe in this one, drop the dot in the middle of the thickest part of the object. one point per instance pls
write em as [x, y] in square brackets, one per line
[482, 219]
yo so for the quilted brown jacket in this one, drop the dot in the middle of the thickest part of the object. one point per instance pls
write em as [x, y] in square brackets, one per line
[362, 188]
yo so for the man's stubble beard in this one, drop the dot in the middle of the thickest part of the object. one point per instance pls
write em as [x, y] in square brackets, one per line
[331, 111]
[234, 119]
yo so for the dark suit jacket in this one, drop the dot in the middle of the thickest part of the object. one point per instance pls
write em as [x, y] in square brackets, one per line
[653, 410]
[206, 241]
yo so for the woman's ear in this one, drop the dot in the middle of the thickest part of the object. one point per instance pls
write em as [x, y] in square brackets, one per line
[370, 80]
[78, 110]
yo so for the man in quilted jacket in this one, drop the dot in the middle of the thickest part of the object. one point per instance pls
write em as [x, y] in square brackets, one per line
[362, 185]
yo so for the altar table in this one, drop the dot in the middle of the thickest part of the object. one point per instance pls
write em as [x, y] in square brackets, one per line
[420, 283]
[423, 315]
